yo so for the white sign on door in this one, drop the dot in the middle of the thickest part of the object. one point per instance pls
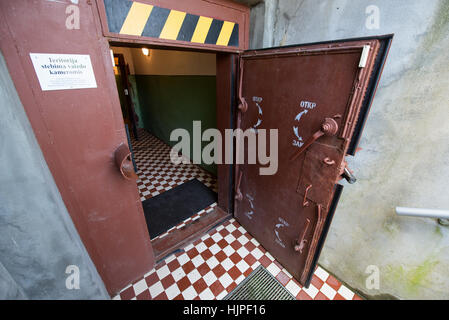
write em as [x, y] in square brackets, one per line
[63, 71]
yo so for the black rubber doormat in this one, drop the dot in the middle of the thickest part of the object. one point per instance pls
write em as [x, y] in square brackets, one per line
[260, 285]
[168, 209]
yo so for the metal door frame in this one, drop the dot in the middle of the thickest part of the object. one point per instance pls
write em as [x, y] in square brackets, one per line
[225, 104]
[217, 9]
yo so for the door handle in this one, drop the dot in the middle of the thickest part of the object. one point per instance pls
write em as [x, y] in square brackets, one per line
[316, 234]
[347, 174]
[329, 127]
[243, 105]
[300, 243]
[124, 163]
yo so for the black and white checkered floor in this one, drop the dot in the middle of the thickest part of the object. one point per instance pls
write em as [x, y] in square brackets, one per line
[157, 173]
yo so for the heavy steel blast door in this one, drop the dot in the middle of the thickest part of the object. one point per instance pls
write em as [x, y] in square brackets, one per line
[317, 96]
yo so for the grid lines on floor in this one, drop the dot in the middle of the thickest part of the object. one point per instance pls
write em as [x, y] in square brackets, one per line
[157, 173]
[215, 264]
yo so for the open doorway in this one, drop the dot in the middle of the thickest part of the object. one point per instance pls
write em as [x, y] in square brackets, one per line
[161, 91]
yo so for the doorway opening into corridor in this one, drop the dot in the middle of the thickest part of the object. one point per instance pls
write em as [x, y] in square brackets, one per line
[160, 91]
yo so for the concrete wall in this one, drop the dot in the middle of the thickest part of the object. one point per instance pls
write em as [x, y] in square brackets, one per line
[9, 288]
[37, 237]
[404, 161]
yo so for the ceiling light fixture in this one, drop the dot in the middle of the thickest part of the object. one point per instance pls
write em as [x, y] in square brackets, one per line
[146, 51]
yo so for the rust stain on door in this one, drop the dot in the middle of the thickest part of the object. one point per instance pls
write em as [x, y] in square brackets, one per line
[315, 95]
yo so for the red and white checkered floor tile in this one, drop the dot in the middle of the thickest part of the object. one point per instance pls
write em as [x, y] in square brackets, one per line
[157, 173]
[214, 265]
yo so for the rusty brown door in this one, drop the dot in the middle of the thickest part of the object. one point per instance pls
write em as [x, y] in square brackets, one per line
[78, 129]
[317, 96]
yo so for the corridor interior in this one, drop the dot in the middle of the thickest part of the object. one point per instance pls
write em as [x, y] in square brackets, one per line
[161, 91]
[157, 174]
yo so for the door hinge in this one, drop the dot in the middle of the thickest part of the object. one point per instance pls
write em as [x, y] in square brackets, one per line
[364, 56]
[243, 105]
[316, 235]
[238, 193]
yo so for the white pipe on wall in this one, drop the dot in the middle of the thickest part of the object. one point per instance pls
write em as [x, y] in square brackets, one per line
[425, 213]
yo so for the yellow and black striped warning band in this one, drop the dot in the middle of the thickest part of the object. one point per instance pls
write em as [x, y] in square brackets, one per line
[139, 19]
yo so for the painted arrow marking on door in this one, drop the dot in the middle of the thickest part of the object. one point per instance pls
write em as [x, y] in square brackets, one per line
[259, 121]
[295, 130]
[260, 109]
[250, 213]
[298, 143]
[276, 232]
[283, 223]
[257, 124]
[298, 117]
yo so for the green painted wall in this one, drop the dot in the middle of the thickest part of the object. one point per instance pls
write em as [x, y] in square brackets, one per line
[170, 102]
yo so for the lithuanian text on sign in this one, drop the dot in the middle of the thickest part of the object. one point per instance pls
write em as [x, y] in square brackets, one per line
[63, 71]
